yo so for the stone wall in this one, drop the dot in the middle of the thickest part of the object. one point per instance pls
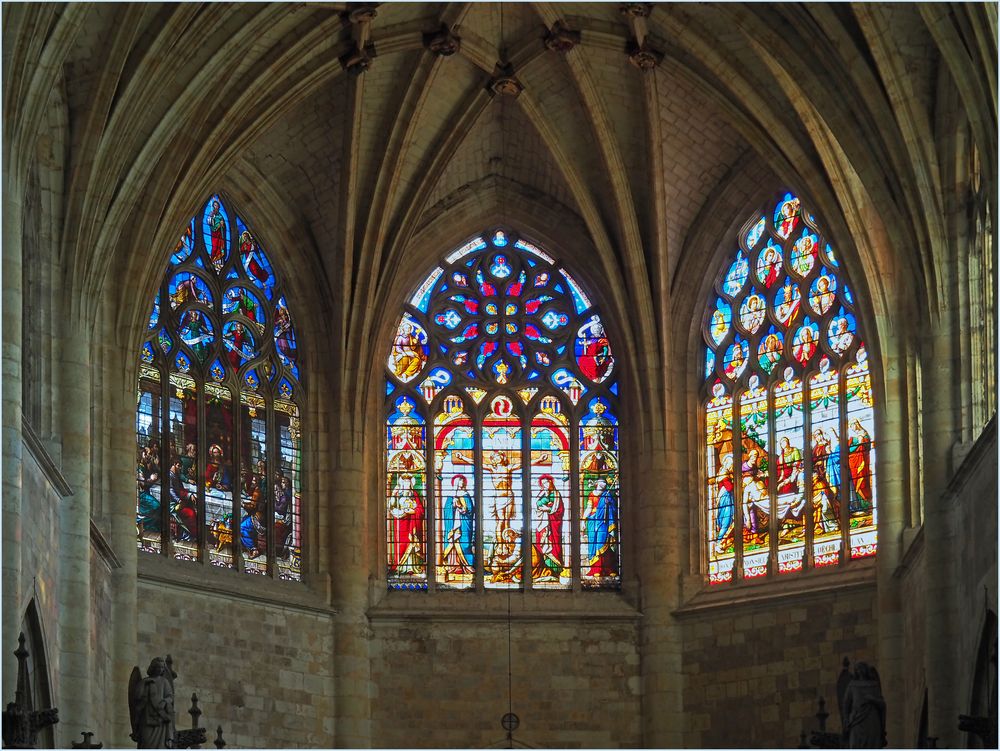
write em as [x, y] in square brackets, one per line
[261, 670]
[753, 671]
[442, 682]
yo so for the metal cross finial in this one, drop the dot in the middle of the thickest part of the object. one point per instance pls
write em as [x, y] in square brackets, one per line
[220, 742]
[86, 743]
[195, 711]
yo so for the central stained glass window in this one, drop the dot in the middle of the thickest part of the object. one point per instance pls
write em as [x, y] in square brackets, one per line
[501, 428]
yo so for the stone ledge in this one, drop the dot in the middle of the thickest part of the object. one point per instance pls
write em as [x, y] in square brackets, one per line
[983, 448]
[858, 576]
[45, 462]
[492, 606]
[100, 543]
[187, 575]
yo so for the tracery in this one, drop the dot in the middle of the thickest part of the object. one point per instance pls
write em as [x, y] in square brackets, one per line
[501, 435]
[218, 428]
[788, 409]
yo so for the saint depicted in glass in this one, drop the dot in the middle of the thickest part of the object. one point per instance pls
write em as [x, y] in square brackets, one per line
[219, 467]
[502, 376]
[790, 434]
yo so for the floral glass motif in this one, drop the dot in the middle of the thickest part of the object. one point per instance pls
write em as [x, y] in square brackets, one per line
[501, 378]
[222, 440]
[790, 435]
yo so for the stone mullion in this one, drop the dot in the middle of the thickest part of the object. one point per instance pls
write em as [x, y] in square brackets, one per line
[236, 481]
[772, 487]
[526, 545]
[737, 437]
[272, 450]
[807, 471]
[165, 435]
[430, 499]
[845, 471]
[199, 474]
[477, 452]
[576, 500]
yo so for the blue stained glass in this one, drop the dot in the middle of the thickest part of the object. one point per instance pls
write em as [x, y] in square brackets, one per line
[184, 246]
[389, 387]
[500, 268]
[828, 252]
[217, 371]
[847, 294]
[500, 239]
[560, 350]
[198, 262]
[755, 232]
[185, 287]
[215, 228]
[238, 342]
[514, 290]
[443, 348]
[614, 388]
[440, 376]
[559, 288]
[285, 389]
[553, 320]
[196, 332]
[709, 362]
[485, 287]
[449, 319]
[565, 381]
[722, 317]
[147, 352]
[241, 300]
[254, 260]
[154, 316]
[251, 379]
[786, 215]
[580, 300]
[233, 273]
[165, 341]
[842, 331]
[423, 294]
[737, 275]
[182, 363]
[533, 375]
[472, 246]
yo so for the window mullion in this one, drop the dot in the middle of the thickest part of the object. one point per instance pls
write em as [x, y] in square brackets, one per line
[527, 550]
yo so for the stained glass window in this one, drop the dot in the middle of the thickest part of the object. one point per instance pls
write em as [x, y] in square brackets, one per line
[788, 410]
[218, 418]
[501, 428]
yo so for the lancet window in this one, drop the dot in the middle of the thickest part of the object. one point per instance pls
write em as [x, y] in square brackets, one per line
[788, 410]
[502, 449]
[218, 433]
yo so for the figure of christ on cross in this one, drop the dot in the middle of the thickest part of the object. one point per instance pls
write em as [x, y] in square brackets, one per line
[503, 562]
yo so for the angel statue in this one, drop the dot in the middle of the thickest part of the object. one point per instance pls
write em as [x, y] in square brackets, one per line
[151, 705]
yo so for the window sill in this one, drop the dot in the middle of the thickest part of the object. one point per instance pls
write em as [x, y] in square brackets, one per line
[859, 575]
[188, 575]
[493, 606]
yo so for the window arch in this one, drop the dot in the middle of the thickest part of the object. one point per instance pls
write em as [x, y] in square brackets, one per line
[218, 419]
[790, 434]
[501, 435]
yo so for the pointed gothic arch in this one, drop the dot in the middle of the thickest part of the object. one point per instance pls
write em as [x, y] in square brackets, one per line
[219, 404]
[502, 446]
[789, 472]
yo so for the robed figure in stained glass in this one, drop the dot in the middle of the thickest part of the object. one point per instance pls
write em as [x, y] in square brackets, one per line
[599, 516]
[407, 356]
[859, 461]
[725, 512]
[217, 229]
[459, 528]
[548, 539]
[147, 516]
[248, 254]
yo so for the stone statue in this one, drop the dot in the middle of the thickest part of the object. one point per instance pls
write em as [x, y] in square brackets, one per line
[863, 712]
[151, 705]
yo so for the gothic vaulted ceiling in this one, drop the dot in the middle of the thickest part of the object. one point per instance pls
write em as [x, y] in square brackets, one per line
[632, 135]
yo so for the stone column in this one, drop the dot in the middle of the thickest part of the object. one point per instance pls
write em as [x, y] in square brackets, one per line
[74, 627]
[118, 423]
[941, 542]
[11, 397]
[349, 579]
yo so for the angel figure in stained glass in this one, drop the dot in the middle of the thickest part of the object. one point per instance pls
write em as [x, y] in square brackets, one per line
[248, 254]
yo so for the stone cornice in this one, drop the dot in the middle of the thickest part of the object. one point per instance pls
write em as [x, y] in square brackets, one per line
[37, 449]
[984, 446]
[103, 547]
